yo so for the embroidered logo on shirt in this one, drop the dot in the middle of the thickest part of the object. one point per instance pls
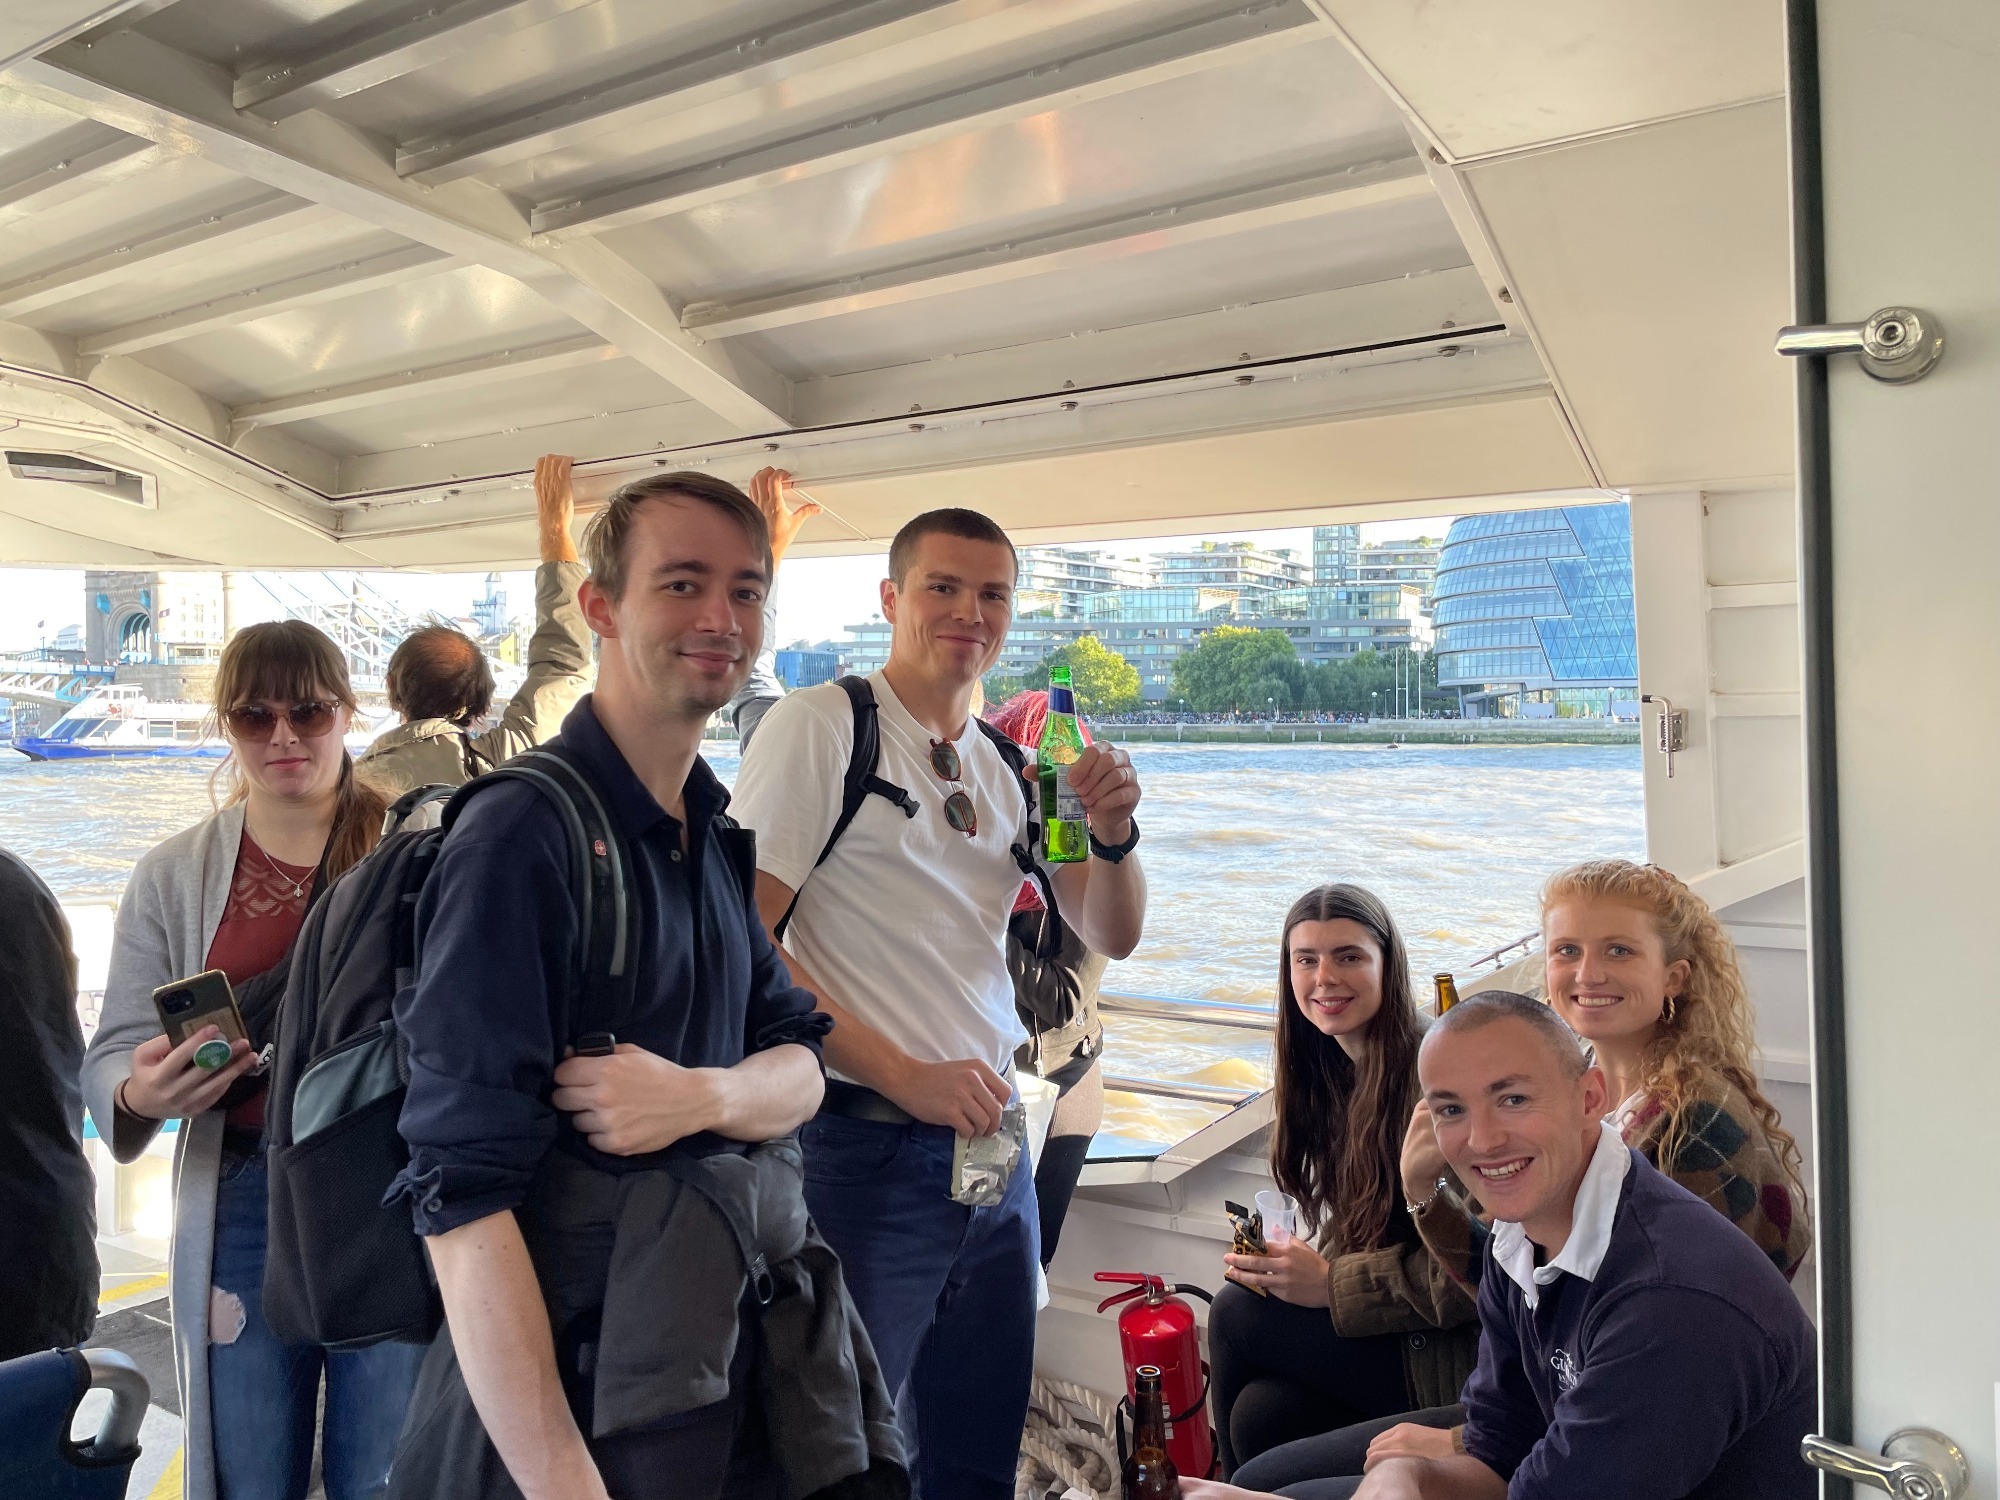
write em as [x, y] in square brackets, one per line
[1567, 1373]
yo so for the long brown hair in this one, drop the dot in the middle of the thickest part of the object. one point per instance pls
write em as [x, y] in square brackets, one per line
[1338, 1144]
[291, 661]
[1709, 1033]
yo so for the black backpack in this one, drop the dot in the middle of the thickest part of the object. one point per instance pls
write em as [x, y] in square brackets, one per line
[860, 783]
[342, 1268]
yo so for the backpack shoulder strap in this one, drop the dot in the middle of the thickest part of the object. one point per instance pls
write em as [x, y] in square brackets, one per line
[600, 877]
[416, 797]
[860, 781]
[1049, 943]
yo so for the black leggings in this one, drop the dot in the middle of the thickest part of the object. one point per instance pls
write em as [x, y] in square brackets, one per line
[1280, 1373]
[1328, 1467]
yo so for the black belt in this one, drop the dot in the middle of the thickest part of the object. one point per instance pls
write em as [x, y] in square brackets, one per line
[858, 1103]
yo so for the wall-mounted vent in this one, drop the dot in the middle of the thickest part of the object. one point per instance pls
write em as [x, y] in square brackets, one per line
[67, 468]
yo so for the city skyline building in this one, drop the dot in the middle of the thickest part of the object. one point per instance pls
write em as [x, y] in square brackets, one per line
[1534, 612]
[1336, 549]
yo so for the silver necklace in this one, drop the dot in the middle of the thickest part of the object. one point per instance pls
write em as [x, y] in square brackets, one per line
[298, 886]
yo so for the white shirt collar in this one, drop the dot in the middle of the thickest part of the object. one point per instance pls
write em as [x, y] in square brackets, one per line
[1590, 1223]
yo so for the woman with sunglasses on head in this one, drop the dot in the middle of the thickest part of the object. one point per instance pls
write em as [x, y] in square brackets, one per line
[230, 894]
[1355, 1319]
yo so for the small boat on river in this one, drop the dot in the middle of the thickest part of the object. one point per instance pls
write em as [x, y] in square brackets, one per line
[120, 720]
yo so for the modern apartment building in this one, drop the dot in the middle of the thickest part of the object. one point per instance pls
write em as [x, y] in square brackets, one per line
[1242, 566]
[1336, 550]
[1057, 580]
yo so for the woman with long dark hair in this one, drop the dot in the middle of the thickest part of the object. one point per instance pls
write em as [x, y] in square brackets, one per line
[230, 894]
[1351, 1318]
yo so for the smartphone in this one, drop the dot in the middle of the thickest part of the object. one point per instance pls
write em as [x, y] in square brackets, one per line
[187, 1005]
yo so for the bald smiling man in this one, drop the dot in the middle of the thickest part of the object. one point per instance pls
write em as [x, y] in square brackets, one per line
[1633, 1342]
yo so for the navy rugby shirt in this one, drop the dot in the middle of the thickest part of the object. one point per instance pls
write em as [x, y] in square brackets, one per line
[488, 1017]
[1684, 1368]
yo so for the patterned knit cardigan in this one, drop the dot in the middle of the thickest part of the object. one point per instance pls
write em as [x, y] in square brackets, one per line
[1726, 1159]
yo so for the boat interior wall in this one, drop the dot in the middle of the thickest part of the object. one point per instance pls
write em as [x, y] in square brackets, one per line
[1256, 254]
[1715, 576]
[1618, 176]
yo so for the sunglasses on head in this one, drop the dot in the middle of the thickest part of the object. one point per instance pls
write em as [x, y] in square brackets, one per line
[958, 808]
[255, 721]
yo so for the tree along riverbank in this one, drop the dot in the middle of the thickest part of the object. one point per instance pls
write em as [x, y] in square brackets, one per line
[1380, 732]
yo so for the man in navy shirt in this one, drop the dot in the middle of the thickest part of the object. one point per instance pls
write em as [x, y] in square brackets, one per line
[1634, 1345]
[718, 1048]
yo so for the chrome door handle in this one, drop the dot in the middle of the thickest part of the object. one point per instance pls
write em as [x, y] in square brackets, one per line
[1916, 1464]
[1896, 344]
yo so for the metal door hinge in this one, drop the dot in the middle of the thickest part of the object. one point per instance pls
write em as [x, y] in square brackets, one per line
[1897, 344]
[1916, 1464]
[1672, 734]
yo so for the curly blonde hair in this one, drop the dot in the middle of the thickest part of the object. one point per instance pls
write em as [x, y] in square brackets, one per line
[1707, 1032]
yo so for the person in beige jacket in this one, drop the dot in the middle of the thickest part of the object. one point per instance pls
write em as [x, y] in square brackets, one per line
[440, 683]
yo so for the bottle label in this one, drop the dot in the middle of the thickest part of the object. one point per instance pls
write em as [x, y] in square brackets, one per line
[1062, 700]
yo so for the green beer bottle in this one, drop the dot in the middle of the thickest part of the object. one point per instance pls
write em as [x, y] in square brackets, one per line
[1065, 836]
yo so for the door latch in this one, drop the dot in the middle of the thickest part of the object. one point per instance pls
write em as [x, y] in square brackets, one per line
[1672, 735]
[1916, 1464]
[1896, 344]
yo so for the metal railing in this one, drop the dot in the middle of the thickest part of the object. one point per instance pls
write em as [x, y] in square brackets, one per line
[1190, 1012]
[1193, 1093]
[1521, 947]
[1186, 1013]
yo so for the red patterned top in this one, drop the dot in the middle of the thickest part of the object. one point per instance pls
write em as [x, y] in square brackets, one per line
[267, 902]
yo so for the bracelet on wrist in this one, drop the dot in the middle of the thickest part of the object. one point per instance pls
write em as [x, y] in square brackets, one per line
[1417, 1210]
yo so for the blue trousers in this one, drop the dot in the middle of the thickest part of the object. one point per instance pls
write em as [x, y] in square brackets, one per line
[263, 1392]
[946, 1292]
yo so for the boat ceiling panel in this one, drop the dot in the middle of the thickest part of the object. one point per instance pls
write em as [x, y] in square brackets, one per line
[606, 386]
[433, 321]
[1486, 79]
[1292, 116]
[447, 236]
[1408, 237]
[1655, 311]
[266, 251]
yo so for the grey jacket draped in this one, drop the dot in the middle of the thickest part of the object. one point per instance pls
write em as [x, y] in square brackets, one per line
[667, 1262]
[172, 905]
[426, 752]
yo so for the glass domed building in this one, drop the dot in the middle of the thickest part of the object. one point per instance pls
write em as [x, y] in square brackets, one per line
[1534, 613]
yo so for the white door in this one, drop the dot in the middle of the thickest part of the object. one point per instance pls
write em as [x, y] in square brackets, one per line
[1910, 128]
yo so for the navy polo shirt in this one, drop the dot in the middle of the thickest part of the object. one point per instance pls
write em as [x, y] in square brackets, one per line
[488, 1018]
[1683, 1370]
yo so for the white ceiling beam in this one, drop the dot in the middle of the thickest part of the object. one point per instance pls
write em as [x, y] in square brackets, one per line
[30, 26]
[1188, 46]
[330, 63]
[67, 163]
[772, 54]
[459, 375]
[350, 278]
[174, 242]
[138, 85]
[1288, 202]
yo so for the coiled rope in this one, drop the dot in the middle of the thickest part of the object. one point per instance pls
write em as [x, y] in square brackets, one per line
[1060, 1451]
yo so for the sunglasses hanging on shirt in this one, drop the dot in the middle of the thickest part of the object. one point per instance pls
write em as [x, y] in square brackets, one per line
[958, 808]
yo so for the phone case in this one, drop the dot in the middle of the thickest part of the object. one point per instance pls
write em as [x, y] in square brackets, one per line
[214, 1005]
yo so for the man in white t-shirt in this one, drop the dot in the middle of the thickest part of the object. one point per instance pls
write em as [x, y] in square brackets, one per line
[901, 934]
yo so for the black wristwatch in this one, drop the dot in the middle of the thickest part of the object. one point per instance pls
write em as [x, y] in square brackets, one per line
[1112, 853]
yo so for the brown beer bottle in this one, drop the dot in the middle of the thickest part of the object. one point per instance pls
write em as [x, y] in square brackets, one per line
[1447, 995]
[1149, 1473]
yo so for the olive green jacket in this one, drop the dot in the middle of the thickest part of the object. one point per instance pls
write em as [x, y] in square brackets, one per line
[427, 752]
[1402, 1289]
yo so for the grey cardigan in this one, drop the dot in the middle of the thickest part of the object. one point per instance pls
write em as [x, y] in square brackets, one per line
[166, 921]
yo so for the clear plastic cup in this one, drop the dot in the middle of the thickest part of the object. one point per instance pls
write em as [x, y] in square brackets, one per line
[1280, 1215]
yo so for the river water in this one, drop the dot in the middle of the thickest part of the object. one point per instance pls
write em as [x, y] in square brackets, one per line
[1455, 838]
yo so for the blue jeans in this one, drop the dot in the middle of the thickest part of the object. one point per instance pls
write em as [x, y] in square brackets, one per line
[946, 1292]
[263, 1392]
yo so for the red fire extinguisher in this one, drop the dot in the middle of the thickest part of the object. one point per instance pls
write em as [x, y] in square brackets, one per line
[1157, 1328]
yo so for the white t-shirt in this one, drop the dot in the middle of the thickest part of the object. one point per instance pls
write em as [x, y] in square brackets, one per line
[905, 924]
